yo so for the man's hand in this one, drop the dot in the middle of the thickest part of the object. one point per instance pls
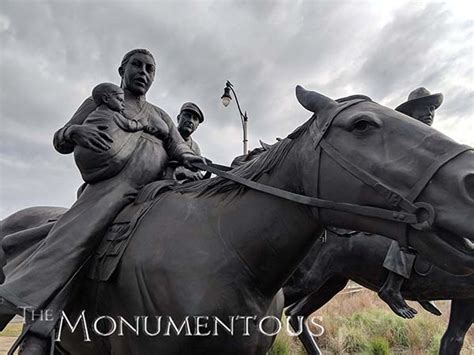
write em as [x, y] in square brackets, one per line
[90, 137]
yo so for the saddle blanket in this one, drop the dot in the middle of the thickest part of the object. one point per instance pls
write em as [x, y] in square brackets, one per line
[18, 246]
[110, 251]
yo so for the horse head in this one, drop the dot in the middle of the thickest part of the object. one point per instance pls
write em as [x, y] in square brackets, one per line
[359, 152]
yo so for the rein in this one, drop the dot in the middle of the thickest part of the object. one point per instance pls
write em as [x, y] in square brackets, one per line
[313, 201]
[419, 215]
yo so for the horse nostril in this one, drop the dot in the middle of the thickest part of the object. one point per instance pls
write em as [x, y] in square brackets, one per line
[469, 185]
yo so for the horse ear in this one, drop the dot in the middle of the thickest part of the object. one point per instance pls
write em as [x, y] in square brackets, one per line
[265, 146]
[313, 101]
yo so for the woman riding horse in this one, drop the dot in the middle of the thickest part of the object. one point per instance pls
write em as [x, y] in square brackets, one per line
[222, 250]
[43, 280]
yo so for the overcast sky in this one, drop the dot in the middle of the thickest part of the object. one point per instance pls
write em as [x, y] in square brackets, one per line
[54, 53]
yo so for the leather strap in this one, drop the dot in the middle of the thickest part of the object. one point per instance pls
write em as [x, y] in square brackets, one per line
[221, 167]
[433, 169]
[401, 217]
[393, 198]
[321, 131]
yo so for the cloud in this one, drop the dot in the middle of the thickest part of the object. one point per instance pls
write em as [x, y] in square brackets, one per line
[54, 53]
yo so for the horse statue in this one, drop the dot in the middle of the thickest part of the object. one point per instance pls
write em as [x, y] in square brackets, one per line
[335, 259]
[226, 246]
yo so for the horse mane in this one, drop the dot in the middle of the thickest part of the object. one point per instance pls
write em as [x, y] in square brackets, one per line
[264, 163]
[353, 97]
[252, 170]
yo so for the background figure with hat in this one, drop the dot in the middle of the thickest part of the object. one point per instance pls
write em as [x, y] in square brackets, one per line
[189, 118]
[421, 105]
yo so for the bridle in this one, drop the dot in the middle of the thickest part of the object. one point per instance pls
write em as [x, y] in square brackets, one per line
[405, 211]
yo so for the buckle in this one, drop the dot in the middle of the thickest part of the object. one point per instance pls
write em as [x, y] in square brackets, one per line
[425, 214]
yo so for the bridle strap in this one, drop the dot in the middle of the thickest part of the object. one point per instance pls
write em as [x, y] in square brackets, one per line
[321, 131]
[393, 198]
[401, 217]
[433, 169]
[220, 167]
[317, 178]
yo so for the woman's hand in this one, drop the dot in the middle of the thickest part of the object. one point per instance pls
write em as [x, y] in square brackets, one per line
[90, 137]
[186, 175]
[189, 159]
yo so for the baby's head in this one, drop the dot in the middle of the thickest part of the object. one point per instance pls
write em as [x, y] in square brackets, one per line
[110, 95]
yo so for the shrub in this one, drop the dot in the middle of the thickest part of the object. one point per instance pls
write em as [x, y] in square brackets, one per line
[280, 347]
[378, 346]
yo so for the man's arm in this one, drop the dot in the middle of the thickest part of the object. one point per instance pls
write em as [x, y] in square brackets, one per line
[182, 174]
[176, 146]
[62, 140]
[198, 175]
[195, 148]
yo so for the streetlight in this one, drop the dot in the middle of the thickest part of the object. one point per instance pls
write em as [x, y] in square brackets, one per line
[226, 98]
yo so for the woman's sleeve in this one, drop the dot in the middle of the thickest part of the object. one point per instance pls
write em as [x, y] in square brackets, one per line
[61, 140]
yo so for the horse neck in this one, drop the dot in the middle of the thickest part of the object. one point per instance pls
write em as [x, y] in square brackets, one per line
[270, 235]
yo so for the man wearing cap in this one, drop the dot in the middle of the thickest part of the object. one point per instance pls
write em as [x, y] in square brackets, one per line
[189, 118]
[421, 106]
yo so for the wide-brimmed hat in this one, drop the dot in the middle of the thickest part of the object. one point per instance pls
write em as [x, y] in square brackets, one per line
[190, 106]
[417, 97]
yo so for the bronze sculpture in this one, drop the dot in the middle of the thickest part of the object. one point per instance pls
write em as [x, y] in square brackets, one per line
[421, 105]
[140, 159]
[221, 262]
[189, 118]
[328, 267]
[359, 257]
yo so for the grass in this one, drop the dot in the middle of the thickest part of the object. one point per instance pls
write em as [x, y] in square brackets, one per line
[361, 323]
[378, 346]
[286, 345]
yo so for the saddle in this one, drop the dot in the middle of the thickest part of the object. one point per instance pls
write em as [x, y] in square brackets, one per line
[112, 247]
[422, 267]
[341, 232]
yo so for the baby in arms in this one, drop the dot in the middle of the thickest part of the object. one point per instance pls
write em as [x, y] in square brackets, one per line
[96, 166]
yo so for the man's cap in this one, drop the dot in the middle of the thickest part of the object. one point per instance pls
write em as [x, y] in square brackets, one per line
[190, 106]
[417, 97]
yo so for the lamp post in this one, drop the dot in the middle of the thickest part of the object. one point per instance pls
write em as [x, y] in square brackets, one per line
[226, 98]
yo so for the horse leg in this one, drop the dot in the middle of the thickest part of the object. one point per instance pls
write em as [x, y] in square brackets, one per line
[460, 320]
[275, 310]
[312, 303]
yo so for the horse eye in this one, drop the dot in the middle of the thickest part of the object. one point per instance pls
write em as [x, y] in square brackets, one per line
[361, 126]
